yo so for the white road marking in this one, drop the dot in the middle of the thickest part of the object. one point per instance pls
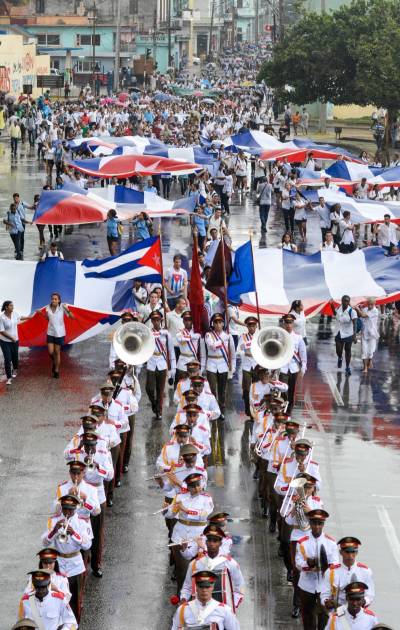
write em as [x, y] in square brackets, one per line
[334, 390]
[391, 535]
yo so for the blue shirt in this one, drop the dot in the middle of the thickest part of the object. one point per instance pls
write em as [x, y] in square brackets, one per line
[14, 218]
[200, 223]
[112, 228]
[142, 230]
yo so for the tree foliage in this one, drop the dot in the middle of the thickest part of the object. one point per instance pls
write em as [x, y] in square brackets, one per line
[348, 56]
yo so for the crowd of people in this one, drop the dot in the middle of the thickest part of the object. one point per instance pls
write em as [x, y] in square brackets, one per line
[332, 590]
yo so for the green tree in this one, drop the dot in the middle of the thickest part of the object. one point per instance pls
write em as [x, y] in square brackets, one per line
[348, 56]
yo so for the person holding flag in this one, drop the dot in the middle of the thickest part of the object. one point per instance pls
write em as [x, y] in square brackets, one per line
[191, 346]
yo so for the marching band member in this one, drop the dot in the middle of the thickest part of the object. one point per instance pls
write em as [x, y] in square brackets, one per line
[299, 462]
[190, 344]
[205, 398]
[354, 614]
[192, 369]
[58, 579]
[293, 528]
[67, 533]
[172, 479]
[191, 509]
[270, 454]
[200, 431]
[89, 423]
[212, 559]
[310, 552]
[49, 609]
[248, 362]
[98, 471]
[131, 383]
[338, 576]
[115, 415]
[203, 609]
[260, 387]
[105, 430]
[125, 397]
[162, 361]
[217, 519]
[221, 359]
[298, 363]
[170, 452]
[181, 415]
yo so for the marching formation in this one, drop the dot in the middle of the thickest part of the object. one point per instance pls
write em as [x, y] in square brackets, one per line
[331, 588]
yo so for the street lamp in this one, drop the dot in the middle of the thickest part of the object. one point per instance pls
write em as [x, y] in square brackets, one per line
[92, 16]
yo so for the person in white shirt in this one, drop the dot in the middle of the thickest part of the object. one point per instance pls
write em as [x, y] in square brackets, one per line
[52, 253]
[346, 227]
[346, 334]
[361, 190]
[297, 364]
[299, 324]
[387, 233]
[300, 216]
[9, 321]
[176, 281]
[54, 313]
[369, 332]
[329, 244]
[174, 323]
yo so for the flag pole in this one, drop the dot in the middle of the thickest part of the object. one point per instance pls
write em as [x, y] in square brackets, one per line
[255, 283]
[225, 295]
[164, 301]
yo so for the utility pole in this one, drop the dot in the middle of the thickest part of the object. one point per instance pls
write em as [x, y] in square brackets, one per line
[155, 34]
[211, 29]
[256, 24]
[93, 18]
[117, 47]
[233, 25]
[169, 31]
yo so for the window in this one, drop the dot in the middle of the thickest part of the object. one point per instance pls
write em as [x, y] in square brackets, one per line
[55, 63]
[239, 4]
[48, 39]
[86, 39]
[133, 7]
[83, 66]
[39, 6]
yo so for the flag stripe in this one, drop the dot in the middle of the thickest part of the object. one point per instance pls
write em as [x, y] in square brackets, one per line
[348, 274]
[304, 275]
[53, 276]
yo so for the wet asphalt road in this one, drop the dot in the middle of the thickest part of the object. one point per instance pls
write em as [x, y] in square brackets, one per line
[356, 431]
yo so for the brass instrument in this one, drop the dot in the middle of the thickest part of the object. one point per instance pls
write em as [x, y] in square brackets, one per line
[134, 343]
[62, 534]
[272, 347]
[90, 465]
[301, 517]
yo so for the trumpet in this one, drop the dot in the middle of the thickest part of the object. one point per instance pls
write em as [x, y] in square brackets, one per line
[62, 532]
[90, 465]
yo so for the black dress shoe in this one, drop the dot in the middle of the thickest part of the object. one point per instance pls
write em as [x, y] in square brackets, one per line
[296, 612]
[265, 513]
[56, 374]
[159, 416]
[118, 483]
[97, 573]
[125, 468]
[255, 474]
[289, 576]
[109, 502]
[272, 527]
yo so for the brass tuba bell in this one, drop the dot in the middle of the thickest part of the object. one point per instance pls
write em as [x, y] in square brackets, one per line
[133, 343]
[272, 347]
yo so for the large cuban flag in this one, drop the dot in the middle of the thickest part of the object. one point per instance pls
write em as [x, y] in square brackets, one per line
[384, 177]
[73, 205]
[128, 165]
[362, 211]
[269, 148]
[283, 276]
[97, 289]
